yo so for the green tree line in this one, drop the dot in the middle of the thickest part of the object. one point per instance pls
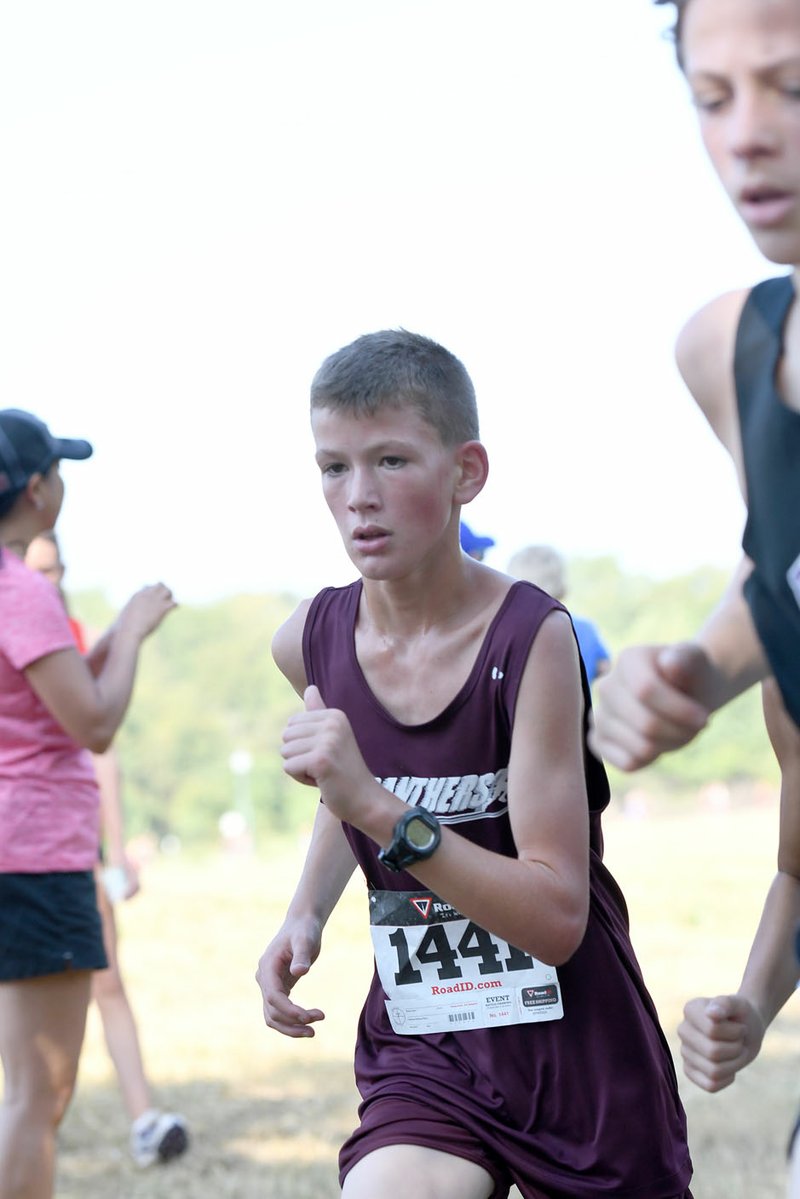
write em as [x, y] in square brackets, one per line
[207, 688]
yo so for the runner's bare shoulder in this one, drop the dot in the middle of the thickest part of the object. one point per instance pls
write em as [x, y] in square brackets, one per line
[287, 647]
[704, 353]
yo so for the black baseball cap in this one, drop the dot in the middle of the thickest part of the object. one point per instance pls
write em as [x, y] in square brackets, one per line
[27, 447]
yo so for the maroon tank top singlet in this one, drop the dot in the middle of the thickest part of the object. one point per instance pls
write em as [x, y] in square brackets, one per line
[585, 1105]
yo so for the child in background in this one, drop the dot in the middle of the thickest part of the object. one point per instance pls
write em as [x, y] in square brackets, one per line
[545, 567]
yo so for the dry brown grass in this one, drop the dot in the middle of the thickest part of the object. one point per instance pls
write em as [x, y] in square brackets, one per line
[267, 1115]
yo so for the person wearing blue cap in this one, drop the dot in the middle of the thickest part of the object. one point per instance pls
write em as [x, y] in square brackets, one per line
[55, 705]
[473, 544]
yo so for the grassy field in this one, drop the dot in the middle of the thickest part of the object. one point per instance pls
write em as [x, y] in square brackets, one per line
[267, 1115]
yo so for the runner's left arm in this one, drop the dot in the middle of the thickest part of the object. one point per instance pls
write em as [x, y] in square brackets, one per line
[721, 1036]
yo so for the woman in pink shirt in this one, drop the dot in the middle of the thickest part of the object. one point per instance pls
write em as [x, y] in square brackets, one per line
[55, 707]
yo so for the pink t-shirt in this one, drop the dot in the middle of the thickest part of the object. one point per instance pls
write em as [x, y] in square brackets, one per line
[49, 801]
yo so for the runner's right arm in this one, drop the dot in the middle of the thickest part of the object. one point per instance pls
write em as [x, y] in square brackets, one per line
[295, 947]
[328, 866]
[657, 698]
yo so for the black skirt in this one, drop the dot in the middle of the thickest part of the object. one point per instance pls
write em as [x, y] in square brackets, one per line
[49, 923]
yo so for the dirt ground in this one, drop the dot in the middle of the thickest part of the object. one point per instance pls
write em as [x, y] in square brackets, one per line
[267, 1115]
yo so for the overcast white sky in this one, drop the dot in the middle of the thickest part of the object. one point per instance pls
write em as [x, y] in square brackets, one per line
[202, 199]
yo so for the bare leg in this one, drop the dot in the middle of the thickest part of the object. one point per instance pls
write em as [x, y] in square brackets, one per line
[397, 1171]
[119, 1025]
[42, 1022]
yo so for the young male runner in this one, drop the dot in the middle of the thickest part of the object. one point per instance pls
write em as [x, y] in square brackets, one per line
[507, 1036]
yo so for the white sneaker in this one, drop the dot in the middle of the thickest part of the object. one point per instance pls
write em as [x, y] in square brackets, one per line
[157, 1137]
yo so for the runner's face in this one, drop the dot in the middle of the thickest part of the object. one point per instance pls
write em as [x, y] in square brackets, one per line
[742, 61]
[390, 484]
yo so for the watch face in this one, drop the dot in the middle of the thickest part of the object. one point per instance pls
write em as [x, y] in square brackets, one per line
[416, 836]
[419, 834]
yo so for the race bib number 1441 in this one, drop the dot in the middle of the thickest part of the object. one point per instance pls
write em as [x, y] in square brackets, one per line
[442, 972]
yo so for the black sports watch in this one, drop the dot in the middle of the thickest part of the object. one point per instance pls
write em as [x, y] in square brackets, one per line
[416, 836]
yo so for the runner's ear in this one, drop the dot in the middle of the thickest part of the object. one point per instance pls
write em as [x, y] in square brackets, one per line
[473, 470]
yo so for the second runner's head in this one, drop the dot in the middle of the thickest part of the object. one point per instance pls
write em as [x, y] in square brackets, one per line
[741, 59]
